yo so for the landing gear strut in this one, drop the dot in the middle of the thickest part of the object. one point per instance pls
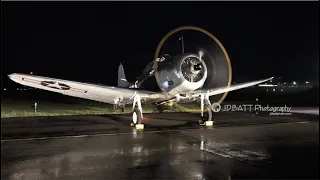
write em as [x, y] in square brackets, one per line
[137, 113]
[206, 117]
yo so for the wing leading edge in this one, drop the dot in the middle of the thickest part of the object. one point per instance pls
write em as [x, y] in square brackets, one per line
[106, 94]
[216, 91]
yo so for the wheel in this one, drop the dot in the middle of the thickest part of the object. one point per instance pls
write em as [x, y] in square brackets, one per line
[158, 109]
[136, 117]
[207, 115]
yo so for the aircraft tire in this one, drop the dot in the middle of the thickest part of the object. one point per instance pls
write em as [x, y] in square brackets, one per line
[136, 116]
[207, 115]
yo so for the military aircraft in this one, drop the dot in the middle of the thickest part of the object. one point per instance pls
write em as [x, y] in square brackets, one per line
[180, 79]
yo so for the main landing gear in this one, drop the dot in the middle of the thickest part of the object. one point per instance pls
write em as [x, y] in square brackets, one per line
[206, 117]
[137, 113]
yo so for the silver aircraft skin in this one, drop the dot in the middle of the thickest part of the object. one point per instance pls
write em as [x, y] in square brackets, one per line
[180, 79]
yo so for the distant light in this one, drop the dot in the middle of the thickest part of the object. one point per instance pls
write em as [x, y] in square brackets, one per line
[274, 89]
[31, 73]
[294, 83]
[281, 89]
[4, 89]
[257, 99]
[307, 82]
[267, 89]
[284, 83]
[17, 89]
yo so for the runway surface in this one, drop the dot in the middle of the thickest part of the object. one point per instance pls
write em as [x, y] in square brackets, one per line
[172, 146]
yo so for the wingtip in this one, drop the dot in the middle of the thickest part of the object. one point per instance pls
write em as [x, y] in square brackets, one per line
[11, 75]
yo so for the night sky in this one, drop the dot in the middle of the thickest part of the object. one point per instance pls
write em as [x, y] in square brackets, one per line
[87, 41]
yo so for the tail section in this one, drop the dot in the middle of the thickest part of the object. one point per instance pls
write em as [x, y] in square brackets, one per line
[122, 80]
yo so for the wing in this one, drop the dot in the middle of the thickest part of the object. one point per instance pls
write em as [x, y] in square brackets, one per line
[195, 95]
[106, 94]
[216, 91]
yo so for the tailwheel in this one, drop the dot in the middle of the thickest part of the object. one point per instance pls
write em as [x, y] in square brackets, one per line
[158, 108]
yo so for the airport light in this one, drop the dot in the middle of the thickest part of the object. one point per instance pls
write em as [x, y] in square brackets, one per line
[35, 106]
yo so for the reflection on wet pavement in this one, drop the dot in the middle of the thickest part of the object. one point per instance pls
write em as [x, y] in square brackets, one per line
[259, 151]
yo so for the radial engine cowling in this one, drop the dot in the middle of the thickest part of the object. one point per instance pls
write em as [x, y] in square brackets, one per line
[181, 74]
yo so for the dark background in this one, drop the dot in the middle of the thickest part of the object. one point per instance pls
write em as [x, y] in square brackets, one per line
[86, 41]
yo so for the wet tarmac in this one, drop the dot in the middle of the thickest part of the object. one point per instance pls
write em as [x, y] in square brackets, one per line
[172, 146]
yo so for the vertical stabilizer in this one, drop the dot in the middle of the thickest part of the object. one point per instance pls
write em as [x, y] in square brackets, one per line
[122, 80]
